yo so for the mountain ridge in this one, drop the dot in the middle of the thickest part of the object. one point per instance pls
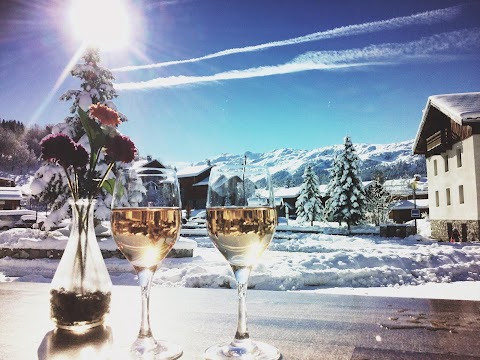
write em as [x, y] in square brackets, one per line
[394, 160]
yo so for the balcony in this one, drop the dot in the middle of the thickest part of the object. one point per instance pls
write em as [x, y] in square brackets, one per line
[439, 142]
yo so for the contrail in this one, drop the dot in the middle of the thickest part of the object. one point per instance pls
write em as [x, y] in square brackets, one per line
[424, 47]
[230, 75]
[428, 17]
[383, 54]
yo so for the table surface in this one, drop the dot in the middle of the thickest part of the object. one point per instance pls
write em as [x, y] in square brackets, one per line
[301, 325]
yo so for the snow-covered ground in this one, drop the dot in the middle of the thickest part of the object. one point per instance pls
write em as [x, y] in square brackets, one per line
[323, 263]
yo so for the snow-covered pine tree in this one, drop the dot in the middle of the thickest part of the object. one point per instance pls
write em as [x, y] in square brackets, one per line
[50, 185]
[378, 202]
[309, 203]
[289, 182]
[346, 201]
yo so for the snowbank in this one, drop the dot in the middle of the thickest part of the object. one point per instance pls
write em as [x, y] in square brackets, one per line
[295, 261]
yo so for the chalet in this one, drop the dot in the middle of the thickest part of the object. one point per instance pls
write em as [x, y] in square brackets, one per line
[149, 163]
[406, 198]
[194, 185]
[287, 198]
[449, 137]
[6, 182]
[10, 198]
[401, 211]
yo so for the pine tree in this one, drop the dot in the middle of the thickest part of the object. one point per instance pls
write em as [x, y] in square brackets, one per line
[289, 182]
[309, 203]
[96, 87]
[346, 201]
[378, 202]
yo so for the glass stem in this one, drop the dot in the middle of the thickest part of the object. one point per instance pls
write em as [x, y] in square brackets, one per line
[241, 275]
[145, 277]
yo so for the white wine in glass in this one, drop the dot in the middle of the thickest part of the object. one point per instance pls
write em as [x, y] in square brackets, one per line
[241, 219]
[146, 220]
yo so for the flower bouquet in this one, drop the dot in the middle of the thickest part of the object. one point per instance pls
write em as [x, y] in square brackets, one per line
[80, 293]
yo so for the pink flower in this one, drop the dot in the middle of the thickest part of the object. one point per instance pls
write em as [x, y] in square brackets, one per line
[120, 148]
[104, 114]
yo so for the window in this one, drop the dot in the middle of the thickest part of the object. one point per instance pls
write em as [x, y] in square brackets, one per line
[437, 199]
[435, 168]
[459, 157]
[448, 196]
[460, 194]
[445, 159]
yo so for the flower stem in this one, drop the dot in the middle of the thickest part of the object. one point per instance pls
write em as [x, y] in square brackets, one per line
[70, 184]
[99, 186]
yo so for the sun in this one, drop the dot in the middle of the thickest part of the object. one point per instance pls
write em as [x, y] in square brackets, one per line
[104, 24]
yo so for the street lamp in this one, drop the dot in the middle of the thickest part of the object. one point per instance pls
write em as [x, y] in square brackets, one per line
[414, 185]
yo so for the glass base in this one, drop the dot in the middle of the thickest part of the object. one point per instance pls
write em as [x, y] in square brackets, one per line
[79, 326]
[243, 350]
[151, 349]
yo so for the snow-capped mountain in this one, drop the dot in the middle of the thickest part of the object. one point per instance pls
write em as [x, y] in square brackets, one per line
[394, 160]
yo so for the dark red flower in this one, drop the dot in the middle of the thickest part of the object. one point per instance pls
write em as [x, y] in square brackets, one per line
[104, 114]
[80, 157]
[120, 148]
[62, 149]
[57, 148]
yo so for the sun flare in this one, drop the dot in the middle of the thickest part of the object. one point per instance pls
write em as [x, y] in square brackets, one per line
[101, 23]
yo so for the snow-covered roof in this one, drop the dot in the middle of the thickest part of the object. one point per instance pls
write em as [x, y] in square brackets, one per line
[463, 108]
[10, 193]
[291, 192]
[139, 163]
[421, 204]
[204, 182]
[402, 186]
[192, 171]
[459, 107]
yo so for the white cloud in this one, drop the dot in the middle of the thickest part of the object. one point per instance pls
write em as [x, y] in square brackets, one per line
[426, 18]
[426, 48]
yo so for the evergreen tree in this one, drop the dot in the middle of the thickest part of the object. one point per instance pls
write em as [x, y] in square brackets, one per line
[289, 182]
[96, 87]
[346, 201]
[378, 202]
[309, 203]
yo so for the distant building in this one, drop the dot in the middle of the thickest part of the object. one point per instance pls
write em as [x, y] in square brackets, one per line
[449, 137]
[149, 163]
[194, 185]
[285, 198]
[401, 212]
[10, 198]
[6, 182]
[402, 189]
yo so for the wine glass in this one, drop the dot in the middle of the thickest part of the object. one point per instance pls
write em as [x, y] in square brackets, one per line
[146, 220]
[241, 219]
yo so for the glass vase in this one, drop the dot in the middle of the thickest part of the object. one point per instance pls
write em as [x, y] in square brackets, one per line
[81, 287]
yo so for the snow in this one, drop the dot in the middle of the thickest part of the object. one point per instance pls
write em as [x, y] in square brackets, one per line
[293, 160]
[315, 262]
[421, 204]
[460, 107]
[84, 100]
[10, 193]
[192, 171]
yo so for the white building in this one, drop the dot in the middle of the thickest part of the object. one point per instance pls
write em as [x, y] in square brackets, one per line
[449, 137]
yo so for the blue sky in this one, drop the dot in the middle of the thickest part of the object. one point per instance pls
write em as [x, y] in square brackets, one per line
[204, 77]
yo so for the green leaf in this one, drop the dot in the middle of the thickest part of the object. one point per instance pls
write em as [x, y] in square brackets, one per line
[109, 185]
[96, 137]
